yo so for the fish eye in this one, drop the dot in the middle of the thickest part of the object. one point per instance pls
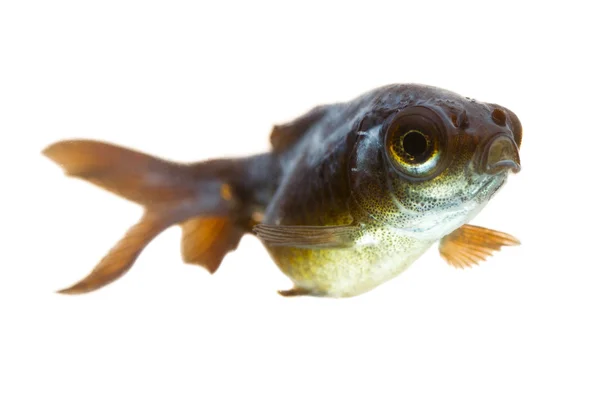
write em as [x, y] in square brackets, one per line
[414, 142]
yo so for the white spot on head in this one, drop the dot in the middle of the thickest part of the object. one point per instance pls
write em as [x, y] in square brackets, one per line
[364, 148]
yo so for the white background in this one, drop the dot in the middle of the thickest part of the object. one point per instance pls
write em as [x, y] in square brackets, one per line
[193, 80]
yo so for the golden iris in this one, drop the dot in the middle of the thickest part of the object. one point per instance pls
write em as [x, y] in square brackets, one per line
[414, 151]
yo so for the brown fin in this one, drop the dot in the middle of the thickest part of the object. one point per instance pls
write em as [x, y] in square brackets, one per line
[306, 236]
[294, 292]
[206, 241]
[122, 256]
[469, 245]
[171, 193]
[136, 176]
[285, 135]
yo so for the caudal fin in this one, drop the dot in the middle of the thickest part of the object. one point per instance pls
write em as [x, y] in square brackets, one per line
[136, 176]
[171, 194]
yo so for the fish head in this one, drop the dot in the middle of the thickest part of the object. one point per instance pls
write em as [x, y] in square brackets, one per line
[433, 163]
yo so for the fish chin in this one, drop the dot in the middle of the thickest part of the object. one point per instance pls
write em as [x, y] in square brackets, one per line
[490, 186]
[431, 225]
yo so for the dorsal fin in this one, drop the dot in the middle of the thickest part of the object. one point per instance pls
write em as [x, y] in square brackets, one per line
[286, 135]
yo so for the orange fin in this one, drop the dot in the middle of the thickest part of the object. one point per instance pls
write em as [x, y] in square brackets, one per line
[171, 194]
[206, 241]
[122, 256]
[136, 176]
[306, 236]
[469, 245]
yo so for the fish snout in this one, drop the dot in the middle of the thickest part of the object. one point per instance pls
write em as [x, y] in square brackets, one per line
[499, 154]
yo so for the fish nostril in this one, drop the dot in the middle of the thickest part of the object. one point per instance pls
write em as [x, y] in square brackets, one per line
[499, 117]
[500, 154]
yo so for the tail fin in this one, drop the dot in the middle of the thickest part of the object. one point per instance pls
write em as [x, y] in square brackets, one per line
[171, 193]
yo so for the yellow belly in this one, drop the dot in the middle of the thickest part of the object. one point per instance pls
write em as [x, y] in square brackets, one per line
[379, 255]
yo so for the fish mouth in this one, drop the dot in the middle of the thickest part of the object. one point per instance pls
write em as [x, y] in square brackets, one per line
[498, 155]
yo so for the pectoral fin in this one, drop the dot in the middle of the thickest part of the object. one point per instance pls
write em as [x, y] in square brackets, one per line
[307, 236]
[469, 245]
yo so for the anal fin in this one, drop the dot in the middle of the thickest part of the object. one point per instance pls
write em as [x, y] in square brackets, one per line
[206, 240]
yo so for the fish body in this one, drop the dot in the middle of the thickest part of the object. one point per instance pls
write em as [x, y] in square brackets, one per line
[349, 197]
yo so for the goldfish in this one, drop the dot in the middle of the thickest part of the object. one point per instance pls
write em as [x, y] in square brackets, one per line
[348, 197]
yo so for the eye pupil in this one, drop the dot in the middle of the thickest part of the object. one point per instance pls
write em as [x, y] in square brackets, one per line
[414, 144]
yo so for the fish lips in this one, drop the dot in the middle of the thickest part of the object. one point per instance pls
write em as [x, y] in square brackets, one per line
[499, 154]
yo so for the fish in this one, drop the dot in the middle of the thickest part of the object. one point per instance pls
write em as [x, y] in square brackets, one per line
[348, 197]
